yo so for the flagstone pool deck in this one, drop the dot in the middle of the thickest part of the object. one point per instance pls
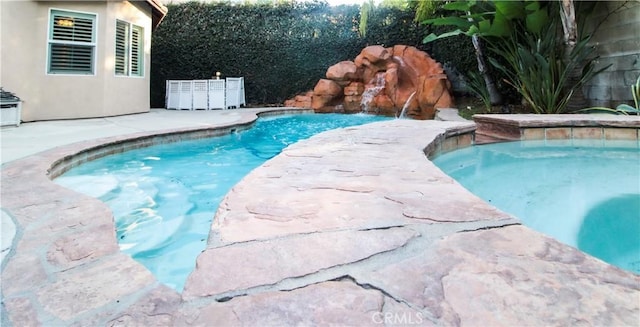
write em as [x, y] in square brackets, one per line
[351, 227]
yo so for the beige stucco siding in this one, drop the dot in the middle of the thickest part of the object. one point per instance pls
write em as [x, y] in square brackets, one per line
[23, 67]
[136, 90]
[21, 59]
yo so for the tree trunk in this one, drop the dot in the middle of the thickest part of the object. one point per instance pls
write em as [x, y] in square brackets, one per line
[494, 95]
[570, 29]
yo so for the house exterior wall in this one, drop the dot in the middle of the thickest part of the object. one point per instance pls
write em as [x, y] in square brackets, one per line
[617, 41]
[24, 33]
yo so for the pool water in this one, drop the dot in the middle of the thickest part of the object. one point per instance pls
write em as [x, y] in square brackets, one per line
[164, 197]
[584, 196]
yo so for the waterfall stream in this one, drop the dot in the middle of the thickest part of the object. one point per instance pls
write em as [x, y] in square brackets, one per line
[403, 113]
[370, 93]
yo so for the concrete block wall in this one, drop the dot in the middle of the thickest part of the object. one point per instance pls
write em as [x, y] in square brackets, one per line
[617, 42]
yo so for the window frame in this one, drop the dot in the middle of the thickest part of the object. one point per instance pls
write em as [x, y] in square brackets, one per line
[131, 52]
[51, 41]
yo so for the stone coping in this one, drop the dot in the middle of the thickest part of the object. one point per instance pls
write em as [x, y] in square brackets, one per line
[351, 227]
[600, 127]
[561, 120]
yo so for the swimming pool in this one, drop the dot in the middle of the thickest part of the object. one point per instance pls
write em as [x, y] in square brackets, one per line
[584, 196]
[164, 197]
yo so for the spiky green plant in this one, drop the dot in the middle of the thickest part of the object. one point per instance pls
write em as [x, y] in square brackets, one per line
[526, 35]
[635, 92]
[477, 86]
[536, 68]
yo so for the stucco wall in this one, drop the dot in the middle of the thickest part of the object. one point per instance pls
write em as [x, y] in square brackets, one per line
[24, 28]
[617, 41]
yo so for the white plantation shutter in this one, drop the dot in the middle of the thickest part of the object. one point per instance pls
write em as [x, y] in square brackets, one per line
[71, 43]
[129, 45]
[122, 39]
[136, 50]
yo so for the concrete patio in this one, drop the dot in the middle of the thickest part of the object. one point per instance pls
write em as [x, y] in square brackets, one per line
[351, 227]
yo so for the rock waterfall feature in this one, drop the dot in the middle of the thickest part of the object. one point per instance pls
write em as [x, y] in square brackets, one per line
[394, 81]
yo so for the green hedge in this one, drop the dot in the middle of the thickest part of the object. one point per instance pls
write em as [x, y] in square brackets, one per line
[280, 49]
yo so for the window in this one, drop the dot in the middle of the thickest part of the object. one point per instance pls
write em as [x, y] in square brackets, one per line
[129, 54]
[72, 43]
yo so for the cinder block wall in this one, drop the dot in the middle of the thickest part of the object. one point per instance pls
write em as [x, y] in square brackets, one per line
[617, 41]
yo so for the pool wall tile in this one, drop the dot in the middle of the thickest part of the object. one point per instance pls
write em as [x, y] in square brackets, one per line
[449, 144]
[587, 133]
[465, 140]
[559, 133]
[621, 134]
[533, 133]
[433, 148]
[443, 144]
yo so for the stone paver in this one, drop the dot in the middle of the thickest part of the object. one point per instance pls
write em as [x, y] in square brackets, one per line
[510, 276]
[246, 265]
[8, 233]
[340, 303]
[353, 227]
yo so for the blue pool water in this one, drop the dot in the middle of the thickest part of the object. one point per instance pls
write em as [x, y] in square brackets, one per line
[164, 197]
[586, 197]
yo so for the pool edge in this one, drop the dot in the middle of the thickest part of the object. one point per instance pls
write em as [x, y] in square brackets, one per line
[36, 166]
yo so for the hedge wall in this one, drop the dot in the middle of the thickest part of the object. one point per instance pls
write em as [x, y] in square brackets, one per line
[280, 49]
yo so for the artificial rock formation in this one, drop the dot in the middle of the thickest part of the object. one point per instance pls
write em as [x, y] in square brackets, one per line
[395, 81]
